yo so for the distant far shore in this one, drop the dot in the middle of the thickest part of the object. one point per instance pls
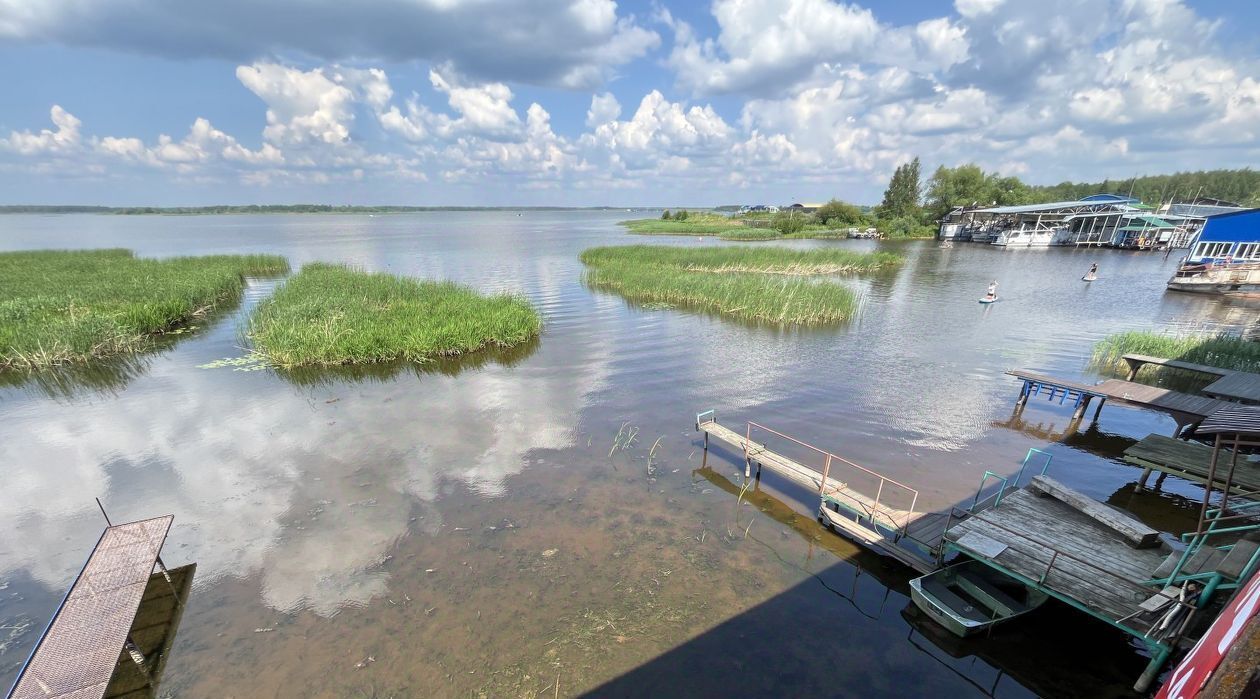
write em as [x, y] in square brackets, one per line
[286, 209]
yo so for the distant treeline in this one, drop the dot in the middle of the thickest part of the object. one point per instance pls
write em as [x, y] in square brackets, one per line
[1238, 186]
[274, 209]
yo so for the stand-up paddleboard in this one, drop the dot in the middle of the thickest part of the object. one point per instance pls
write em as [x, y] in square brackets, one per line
[988, 300]
[1088, 278]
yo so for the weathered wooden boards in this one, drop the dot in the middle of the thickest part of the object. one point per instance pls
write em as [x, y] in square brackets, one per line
[1135, 532]
[1240, 386]
[1071, 554]
[1191, 461]
[1137, 361]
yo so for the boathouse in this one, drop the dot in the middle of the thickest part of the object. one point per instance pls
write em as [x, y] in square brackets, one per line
[1230, 237]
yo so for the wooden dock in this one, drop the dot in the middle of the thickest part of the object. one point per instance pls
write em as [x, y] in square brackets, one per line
[1191, 461]
[1069, 554]
[1183, 407]
[908, 535]
[1230, 385]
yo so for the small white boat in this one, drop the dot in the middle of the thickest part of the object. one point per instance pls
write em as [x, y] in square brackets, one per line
[970, 597]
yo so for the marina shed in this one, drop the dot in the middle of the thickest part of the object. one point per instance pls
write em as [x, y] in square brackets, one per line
[1229, 237]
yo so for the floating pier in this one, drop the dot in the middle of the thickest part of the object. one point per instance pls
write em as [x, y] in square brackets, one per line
[1099, 560]
[902, 532]
[111, 634]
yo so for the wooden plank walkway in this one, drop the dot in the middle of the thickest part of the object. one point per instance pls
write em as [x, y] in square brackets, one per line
[1075, 557]
[1231, 385]
[1238, 386]
[884, 525]
[78, 652]
[1184, 407]
[1191, 461]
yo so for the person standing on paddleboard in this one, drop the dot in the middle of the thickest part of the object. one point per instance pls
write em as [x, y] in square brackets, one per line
[992, 292]
[1092, 274]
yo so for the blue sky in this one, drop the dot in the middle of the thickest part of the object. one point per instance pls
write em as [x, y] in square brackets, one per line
[592, 102]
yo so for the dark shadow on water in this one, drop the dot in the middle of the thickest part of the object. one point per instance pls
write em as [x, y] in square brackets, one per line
[1083, 435]
[851, 630]
[383, 372]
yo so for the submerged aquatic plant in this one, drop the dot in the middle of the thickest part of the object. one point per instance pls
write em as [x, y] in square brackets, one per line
[332, 314]
[69, 306]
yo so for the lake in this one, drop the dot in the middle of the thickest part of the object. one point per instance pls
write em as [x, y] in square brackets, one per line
[470, 528]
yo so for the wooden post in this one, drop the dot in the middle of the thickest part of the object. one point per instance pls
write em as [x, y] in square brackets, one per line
[1207, 491]
[1098, 410]
[1081, 407]
[1146, 473]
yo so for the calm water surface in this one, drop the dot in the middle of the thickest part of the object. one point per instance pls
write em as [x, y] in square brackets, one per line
[461, 529]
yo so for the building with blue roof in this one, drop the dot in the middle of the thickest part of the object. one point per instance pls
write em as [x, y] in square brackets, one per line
[1228, 238]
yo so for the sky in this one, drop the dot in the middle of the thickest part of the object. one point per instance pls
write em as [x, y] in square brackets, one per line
[595, 102]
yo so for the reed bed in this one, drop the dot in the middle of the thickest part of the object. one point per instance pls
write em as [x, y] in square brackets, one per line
[332, 314]
[707, 225]
[69, 306]
[1218, 350]
[774, 285]
[750, 234]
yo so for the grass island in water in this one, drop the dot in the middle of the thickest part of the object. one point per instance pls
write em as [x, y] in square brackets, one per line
[1223, 351]
[768, 284]
[68, 306]
[332, 314]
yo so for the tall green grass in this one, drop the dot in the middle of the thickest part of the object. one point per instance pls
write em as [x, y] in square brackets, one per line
[742, 258]
[696, 224]
[1223, 351]
[751, 234]
[774, 285]
[331, 314]
[63, 306]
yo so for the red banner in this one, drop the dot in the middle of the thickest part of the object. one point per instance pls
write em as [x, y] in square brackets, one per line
[1196, 669]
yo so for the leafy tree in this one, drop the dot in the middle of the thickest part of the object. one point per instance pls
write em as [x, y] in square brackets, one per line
[839, 213]
[681, 215]
[959, 186]
[902, 196]
[904, 227]
[666, 216]
[787, 222]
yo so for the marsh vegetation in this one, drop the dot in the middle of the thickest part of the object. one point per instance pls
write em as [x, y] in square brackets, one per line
[769, 284]
[1218, 350]
[68, 306]
[332, 314]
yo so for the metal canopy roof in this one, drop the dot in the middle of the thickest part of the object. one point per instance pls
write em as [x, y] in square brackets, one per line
[1051, 206]
[1235, 419]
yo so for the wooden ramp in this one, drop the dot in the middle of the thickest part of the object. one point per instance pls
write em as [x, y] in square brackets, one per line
[90, 634]
[1190, 460]
[905, 534]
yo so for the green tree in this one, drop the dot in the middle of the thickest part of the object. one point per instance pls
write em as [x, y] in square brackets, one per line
[959, 186]
[839, 213]
[666, 216]
[681, 215]
[902, 196]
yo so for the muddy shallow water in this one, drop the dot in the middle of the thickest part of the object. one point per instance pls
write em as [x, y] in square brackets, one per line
[461, 529]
